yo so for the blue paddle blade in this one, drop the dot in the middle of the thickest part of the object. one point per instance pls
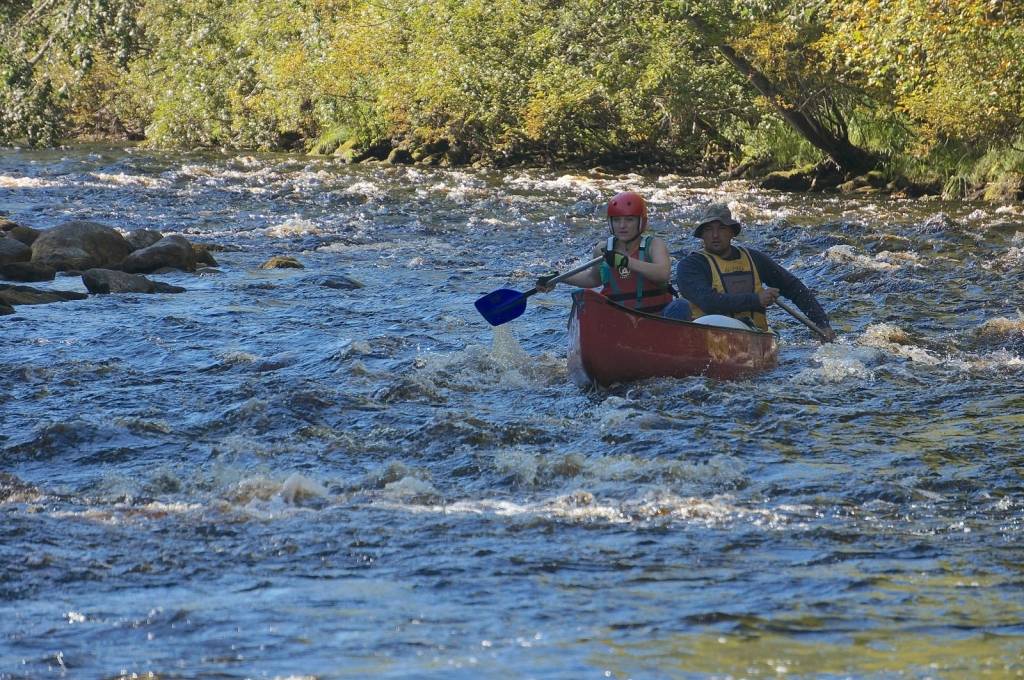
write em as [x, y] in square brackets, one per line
[501, 306]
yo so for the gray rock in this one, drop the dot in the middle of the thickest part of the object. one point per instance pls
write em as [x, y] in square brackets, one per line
[25, 295]
[27, 271]
[80, 245]
[102, 281]
[400, 157]
[26, 235]
[170, 251]
[337, 281]
[143, 238]
[12, 250]
[282, 262]
[203, 255]
[5, 308]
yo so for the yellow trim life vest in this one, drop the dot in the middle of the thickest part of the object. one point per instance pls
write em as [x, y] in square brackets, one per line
[735, 276]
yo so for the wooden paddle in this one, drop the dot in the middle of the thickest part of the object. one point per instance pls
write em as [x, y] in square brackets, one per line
[503, 305]
[802, 318]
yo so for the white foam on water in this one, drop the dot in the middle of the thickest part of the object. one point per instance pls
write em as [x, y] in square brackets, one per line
[999, 360]
[124, 513]
[298, 488]
[896, 342]
[412, 489]
[520, 465]
[254, 488]
[123, 180]
[1001, 326]
[845, 253]
[366, 189]
[837, 363]
[506, 362]
[8, 182]
[1011, 260]
[582, 506]
[579, 183]
[899, 258]
[613, 413]
[294, 226]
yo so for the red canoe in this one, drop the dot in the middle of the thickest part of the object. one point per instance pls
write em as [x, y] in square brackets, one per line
[609, 343]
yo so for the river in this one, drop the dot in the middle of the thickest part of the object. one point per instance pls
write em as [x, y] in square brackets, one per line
[270, 477]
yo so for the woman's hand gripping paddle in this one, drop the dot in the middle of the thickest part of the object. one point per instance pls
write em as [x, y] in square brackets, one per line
[503, 305]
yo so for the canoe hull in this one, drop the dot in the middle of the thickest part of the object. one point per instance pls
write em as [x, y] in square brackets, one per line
[609, 343]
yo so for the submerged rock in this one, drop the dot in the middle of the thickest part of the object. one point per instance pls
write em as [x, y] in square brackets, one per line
[26, 295]
[336, 281]
[27, 271]
[103, 281]
[80, 245]
[170, 251]
[282, 262]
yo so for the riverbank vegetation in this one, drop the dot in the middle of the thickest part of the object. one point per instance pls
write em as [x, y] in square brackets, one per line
[906, 95]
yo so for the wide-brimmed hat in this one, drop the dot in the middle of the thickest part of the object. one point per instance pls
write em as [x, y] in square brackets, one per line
[717, 212]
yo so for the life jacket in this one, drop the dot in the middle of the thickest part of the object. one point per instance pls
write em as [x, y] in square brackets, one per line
[627, 287]
[735, 277]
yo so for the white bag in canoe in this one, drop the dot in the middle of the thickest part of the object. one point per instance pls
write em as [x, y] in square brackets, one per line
[722, 321]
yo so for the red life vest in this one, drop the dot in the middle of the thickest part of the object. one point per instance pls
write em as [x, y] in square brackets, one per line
[627, 287]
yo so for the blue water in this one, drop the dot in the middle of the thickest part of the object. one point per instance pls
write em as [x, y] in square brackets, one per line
[268, 477]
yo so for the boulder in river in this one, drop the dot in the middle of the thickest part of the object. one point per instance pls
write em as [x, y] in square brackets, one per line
[282, 262]
[102, 281]
[170, 251]
[13, 250]
[80, 245]
[26, 295]
[203, 255]
[27, 271]
[26, 235]
[143, 238]
[5, 308]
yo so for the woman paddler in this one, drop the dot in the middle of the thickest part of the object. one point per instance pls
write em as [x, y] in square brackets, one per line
[636, 269]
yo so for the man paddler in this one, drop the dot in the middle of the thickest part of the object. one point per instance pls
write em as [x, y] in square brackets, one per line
[727, 279]
[636, 269]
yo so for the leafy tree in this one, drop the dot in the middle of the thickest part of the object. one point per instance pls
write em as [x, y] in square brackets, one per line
[47, 47]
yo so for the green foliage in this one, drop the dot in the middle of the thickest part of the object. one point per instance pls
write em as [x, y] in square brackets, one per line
[935, 88]
[48, 46]
[772, 139]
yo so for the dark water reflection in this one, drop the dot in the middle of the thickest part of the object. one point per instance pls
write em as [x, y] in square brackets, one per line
[268, 476]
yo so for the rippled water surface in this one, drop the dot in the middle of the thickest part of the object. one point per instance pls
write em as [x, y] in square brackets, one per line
[271, 476]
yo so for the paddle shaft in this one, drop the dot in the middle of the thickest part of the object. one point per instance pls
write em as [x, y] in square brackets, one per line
[561, 277]
[802, 318]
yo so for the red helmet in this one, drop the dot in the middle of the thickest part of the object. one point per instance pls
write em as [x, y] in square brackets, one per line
[628, 204]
